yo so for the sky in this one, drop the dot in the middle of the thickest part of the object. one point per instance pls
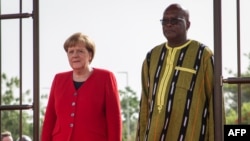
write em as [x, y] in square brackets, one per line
[123, 31]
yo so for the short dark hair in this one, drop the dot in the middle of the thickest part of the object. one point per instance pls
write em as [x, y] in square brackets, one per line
[24, 138]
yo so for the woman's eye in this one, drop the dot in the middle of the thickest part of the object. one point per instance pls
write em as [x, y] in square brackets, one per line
[80, 51]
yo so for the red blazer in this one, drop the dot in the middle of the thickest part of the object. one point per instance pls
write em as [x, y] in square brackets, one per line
[91, 113]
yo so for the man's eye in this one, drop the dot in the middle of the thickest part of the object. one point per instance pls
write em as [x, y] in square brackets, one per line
[174, 21]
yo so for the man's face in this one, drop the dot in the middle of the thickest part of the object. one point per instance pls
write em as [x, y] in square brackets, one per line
[174, 25]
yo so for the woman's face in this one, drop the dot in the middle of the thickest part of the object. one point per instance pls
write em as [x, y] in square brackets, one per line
[79, 57]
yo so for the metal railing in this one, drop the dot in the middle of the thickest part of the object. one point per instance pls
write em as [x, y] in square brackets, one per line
[219, 134]
[35, 105]
[217, 54]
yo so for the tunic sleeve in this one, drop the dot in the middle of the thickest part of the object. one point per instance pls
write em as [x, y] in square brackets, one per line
[143, 114]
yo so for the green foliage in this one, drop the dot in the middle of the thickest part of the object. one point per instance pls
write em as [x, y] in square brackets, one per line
[10, 119]
[246, 113]
[232, 116]
[231, 97]
[130, 110]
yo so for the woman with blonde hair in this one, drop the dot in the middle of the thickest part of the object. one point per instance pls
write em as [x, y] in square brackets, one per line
[84, 102]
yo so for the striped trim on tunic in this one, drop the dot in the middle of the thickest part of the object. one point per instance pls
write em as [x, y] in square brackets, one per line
[170, 63]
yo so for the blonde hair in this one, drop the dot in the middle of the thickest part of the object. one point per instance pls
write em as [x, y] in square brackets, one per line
[79, 38]
[5, 134]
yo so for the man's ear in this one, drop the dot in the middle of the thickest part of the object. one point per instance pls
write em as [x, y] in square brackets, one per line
[188, 25]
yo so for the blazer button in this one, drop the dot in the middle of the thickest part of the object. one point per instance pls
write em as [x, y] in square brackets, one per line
[73, 103]
[71, 125]
[72, 114]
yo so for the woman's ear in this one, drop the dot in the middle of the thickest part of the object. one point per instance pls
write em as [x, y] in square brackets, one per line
[90, 57]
